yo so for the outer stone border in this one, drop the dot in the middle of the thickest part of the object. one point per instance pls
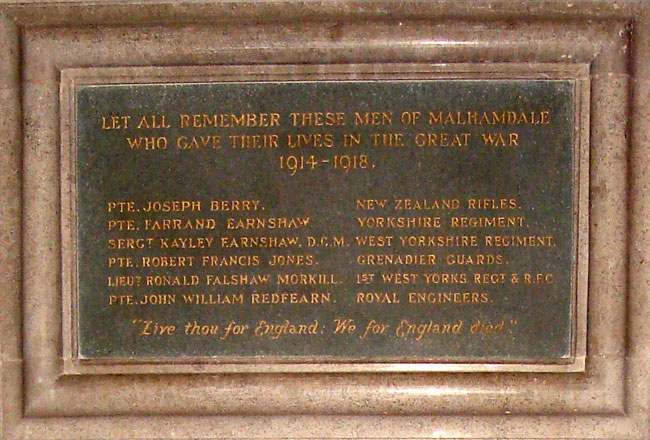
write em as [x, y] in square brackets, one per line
[609, 400]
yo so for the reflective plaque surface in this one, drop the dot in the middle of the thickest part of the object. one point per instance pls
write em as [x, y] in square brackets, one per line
[339, 221]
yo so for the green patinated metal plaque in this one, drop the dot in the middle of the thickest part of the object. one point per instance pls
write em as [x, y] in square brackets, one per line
[338, 221]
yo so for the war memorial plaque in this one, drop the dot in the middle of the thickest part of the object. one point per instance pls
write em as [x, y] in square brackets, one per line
[280, 220]
[382, 221]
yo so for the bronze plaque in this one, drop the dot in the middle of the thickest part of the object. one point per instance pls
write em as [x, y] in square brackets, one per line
[395, 219]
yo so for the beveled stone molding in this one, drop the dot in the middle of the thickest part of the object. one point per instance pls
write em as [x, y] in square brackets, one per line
[46, 391]
[611, 399]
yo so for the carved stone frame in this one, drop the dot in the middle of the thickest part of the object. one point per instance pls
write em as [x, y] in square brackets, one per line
[608, 400]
